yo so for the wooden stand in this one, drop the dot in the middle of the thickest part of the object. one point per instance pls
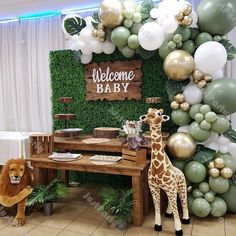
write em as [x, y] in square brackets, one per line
[41, 144]
[105, 132]
[138, 156]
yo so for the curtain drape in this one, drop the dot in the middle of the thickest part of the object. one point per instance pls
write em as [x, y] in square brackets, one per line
[25, 103]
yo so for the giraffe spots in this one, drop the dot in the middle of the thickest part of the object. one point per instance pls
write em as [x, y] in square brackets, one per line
[156, 146]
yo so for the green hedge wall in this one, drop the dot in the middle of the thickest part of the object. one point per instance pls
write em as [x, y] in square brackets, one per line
[67, 76]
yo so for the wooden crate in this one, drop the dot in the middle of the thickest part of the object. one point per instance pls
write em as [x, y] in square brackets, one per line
[138, 156]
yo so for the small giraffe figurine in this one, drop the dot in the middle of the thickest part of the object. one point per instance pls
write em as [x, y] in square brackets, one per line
[163, 175]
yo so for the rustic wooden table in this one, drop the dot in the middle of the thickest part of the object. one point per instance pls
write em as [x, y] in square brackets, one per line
[43, 167]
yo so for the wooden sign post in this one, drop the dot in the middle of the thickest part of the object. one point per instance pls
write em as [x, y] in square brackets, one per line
[113, 80]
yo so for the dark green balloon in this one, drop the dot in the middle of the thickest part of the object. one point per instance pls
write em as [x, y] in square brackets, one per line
[164, 50]
[220, 95]
[189, 46]
[194, 33]
[184, 31]
[229, 198]
[145, 54]
[179, 164]
[217, 17]
[203, 38]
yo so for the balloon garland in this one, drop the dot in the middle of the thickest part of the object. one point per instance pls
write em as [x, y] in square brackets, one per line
[194, 48]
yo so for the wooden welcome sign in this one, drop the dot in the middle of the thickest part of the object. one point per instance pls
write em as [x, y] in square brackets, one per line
[113, 80]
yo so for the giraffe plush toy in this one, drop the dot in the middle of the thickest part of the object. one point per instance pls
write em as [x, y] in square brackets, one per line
[163, 175]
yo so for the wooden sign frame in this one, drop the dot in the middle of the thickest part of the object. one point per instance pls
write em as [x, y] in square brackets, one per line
[113, 80]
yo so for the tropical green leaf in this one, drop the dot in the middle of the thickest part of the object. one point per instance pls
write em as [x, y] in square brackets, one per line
[74, 25]
[174, 87]
[231, 135]
[95, 20]
[233, 179]
[146, 7]
[231, 50]
[204, 154]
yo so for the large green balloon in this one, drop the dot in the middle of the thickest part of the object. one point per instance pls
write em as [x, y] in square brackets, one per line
[201, 207]
[189, 46]
[198, 133]
[219, 184]
[180, 117]
[229, 161]
[184, 31]
[119, 36]
[218, 207]
[229, 198]
[216, 16]
[220, 95]
[221, 125]
[195, 172]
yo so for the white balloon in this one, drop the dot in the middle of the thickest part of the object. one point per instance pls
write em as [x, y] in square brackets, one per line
[218, 74]
[108, 47]
[154, 13]
[213, 146]
[223, 149]
[86, 49]
[184, 129]
[223, 140]
[232, 149]
[210, 57]
[170, 25]
[195, 19]
[214, 136]
[151, 36]
[96, 46]
[85, 59]
[88, 21]
[86, 34]
[79, 46]
[193, 94]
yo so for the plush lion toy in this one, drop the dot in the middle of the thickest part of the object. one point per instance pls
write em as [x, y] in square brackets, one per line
[15, 187]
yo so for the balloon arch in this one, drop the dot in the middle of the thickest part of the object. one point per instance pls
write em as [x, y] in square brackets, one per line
[194, 47]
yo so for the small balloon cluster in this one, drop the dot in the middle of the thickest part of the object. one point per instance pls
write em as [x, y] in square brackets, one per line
[200, 79]
[184, 15]
[180, 103]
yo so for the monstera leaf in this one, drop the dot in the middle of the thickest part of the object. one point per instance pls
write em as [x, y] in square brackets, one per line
[147, 6]
[204, 154]
[231, 50]
[74, 25]
[231, 135]
[95, 20]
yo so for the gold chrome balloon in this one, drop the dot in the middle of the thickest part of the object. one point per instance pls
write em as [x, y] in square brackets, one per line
[181, 146]
[208, 78]
[226, 172]
[185, 106]
[197, 75]
[179, 98]
[111, 13]
[219, 163]
[180, 16]
[214, 172]
[211, 165]
[179, 65]
[174, 105]
[187, 9]
[202, 84]
[187, 20]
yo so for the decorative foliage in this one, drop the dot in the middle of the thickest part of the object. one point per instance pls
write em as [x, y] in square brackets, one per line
[74, 25]
[231, 50]
[231, 135]
[204, 154]
[233, 179]
[147, 6]
[95, 22]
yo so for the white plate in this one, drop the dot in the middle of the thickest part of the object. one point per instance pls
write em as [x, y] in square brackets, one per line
[71, 130]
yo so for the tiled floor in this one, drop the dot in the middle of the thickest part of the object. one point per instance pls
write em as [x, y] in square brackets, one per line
[75, 217]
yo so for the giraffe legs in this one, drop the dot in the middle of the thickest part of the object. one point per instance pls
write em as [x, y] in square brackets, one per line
[172, 197]
[155, 191]
[169, 212]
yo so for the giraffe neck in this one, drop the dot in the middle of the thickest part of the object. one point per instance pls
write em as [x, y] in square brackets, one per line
[159, 158]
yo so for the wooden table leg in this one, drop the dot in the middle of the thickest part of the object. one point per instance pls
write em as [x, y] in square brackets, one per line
[52, 174]
[146, 192]
[40, 176]
[65, 176]
[138, 200]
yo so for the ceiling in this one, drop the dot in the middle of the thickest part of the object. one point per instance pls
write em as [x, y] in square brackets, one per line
[15, 8]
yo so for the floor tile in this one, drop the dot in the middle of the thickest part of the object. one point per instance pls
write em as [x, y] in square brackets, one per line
[105, 229]
[9, 230]
[70, 233]
[73, 208]
[140, 231]
[58, 221]
[43, 230]
[208, 226]
[92, 213]
[4, 222]
[83, 225]
[36, 218]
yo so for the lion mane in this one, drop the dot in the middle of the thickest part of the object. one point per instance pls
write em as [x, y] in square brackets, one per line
[6, 187]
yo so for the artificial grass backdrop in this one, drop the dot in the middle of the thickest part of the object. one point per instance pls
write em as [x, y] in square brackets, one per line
[68, 80]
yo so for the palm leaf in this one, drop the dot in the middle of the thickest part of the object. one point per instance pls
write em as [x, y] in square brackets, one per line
[74, 25]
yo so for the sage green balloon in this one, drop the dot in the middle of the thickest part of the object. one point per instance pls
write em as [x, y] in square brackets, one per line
[218, 207]
[201, 207]
[197, 193]
[184, 31]
[119, 36]
[195, 172]
[164, 50]
[209, 196]
[203, 38]
[194, 110]
[220, 95]
[194, 33]
[219, 184]
[180, 118]
[189, 46]
[229, 161]
[133, 41]
[216, 17]
[221, 124]
[198, 133]
[190, 202]
[204, 187]
[179, 164]
[229, 198]
[127, 52]
[135, 28]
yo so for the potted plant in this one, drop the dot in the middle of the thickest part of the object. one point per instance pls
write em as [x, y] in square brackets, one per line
[45, 195]
[118, 204]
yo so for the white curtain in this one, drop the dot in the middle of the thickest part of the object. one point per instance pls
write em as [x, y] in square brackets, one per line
[25, 103]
